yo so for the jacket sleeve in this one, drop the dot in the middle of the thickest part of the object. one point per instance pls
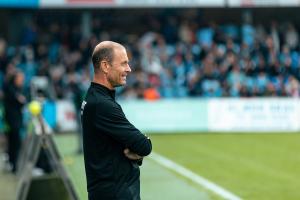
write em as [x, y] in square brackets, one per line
[110, 119]
[11, 94]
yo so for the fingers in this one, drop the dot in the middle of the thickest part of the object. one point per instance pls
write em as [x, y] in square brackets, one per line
[131, 155]
[126, 151]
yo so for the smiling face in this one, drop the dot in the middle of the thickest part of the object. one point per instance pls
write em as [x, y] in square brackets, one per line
[119, 68]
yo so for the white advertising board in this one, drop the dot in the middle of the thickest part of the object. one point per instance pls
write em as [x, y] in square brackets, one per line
[66, 116]
[176, 115]
[263, 3]
[259, 114]
[52, 3]
[170, 3]
[200, 115]
[77, 3]
[130, 3]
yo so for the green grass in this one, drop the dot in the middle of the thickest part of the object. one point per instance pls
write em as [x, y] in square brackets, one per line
[253, 166]
[157, 183]
[73, 162]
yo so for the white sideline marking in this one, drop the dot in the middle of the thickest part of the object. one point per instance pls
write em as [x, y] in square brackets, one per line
[193, 177]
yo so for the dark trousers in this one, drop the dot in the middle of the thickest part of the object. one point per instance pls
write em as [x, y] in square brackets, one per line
[135, 190]
[14, 145]
[132, 192]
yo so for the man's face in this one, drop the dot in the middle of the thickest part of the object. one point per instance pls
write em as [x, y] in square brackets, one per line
[119, 68]
[19, 80]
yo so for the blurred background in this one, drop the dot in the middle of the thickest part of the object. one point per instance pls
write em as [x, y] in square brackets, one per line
[214, 83]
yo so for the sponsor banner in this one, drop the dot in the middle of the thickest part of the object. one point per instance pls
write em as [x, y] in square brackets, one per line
[131, 3]
[194, 115]
[19, 3]
[259, 114]
[52, 3]
[263, 3]
[66, 116]
[77, 3]
[170, 3]
[87, 3]
[145, 3]
[49, 113]
[167, 115]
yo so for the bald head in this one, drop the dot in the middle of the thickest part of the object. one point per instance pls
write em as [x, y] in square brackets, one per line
[104, 51]
[111, 64]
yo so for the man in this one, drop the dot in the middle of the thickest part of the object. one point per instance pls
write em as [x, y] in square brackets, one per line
[113, 147]
[13, 103]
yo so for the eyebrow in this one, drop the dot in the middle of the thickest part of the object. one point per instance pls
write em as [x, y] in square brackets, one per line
[125, 61]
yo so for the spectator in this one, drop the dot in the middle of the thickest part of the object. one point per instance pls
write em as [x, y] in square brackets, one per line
[13, 103]
[291, 36]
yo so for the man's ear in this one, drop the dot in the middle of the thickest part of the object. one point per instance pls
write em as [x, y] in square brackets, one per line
[104, 66]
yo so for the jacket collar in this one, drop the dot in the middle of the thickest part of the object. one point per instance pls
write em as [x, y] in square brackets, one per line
[104, 89]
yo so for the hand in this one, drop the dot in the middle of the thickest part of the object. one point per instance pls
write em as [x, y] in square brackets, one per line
[21, 99]
[131, 155]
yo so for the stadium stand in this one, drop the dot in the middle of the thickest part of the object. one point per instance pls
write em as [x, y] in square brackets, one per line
[182, 56]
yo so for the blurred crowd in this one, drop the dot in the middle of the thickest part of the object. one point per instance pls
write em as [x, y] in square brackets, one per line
[170, 58]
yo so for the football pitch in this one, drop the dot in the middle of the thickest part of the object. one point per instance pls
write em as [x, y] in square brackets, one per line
[250, 166]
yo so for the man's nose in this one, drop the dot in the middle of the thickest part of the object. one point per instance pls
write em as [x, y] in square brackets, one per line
[128, 69]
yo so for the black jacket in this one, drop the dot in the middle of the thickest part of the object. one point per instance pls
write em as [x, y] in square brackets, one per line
[106, 133]
[12, 106]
